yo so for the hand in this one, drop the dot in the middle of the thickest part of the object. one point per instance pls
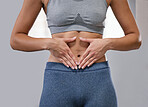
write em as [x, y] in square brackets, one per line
[62, 52]
[95, 51]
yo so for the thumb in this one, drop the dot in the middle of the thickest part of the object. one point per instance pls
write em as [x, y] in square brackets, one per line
[85, 39]
[69, 39]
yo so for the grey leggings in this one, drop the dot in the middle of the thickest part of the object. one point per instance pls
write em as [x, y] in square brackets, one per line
[88, 87]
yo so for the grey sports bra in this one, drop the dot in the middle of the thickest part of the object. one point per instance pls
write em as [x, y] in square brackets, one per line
[78, 15]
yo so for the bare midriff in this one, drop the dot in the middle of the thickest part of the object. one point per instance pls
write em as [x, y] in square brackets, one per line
[77, 47]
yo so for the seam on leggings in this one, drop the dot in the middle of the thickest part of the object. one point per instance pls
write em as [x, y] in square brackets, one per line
[98, 69]
[78, 71]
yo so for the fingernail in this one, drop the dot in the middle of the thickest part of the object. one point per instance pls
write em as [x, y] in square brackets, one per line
[67, 66]
[74, 37]
[82, 67]
[72, 67]
[79, 67]
[81, 38]
[75, 67]
[88, 65]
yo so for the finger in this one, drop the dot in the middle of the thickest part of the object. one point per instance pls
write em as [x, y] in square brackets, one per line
[92, 62]
[72, 56]
[67, 61]
[83, 56]
[86, 40]
[71, 61]
[69, 39]
[64, 62]
[88, 62]
[86, 59]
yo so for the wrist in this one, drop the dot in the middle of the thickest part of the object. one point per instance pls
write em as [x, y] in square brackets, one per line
[108, 43]
[49, 44]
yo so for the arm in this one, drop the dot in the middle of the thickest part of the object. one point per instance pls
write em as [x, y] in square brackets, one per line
[131, 40]
[19, 37]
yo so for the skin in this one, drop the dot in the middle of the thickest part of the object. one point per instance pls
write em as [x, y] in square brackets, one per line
[64, 48]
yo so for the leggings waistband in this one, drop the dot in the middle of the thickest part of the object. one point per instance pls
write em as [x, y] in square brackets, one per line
[61, 67]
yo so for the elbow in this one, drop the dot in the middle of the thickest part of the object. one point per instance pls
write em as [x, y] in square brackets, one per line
[13, 42]
[138, 42]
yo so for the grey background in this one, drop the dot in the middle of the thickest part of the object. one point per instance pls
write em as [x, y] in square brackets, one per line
[21, 73]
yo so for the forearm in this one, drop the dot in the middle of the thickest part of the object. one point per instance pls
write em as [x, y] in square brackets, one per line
[23, 42]
[128, 42]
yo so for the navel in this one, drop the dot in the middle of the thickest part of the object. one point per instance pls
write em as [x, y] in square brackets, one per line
[78, 55]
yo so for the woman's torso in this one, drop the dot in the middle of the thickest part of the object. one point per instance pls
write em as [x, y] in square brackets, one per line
[77, 47]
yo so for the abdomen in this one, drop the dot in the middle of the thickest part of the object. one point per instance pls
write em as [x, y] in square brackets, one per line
[77, 47]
